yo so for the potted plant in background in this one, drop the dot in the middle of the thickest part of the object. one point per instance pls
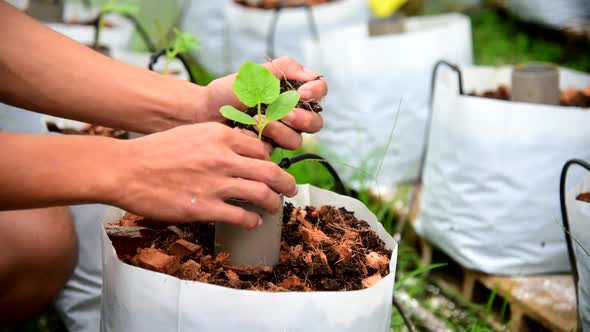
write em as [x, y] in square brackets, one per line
[320, 248]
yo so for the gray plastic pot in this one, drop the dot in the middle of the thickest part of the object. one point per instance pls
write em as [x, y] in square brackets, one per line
[46, 10]
[251, 247]
[387, 26]
[536, 83]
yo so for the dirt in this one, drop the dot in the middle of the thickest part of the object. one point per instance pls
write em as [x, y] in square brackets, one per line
[322, 249]
[584, 197]
[273, 4]
[89, 129]
[568, 97]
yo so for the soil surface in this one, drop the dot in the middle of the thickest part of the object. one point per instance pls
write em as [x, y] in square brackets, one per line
[273, 4]
[569, 97]
[584, 197]
[89, 129]
[322, 249]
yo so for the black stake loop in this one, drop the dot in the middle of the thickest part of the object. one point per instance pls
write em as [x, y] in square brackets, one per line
[338, 184]
[272, 29]
[156, 56]
[140, 29]
[566, 226]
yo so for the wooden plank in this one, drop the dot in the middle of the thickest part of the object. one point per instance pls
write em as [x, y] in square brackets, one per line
[548, 299]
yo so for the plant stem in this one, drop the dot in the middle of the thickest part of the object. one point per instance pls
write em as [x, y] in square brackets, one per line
[259, 121]
[98, 30]
[166, 65]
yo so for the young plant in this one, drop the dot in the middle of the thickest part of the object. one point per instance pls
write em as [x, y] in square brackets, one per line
[113, 6]
[182, 43]
[256, 86]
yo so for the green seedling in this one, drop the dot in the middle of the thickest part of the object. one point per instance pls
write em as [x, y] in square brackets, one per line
[182, 43]
[113, 6]
[256, 86]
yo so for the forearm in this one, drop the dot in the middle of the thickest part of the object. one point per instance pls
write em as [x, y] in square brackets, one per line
[46, 72]
[46, 170]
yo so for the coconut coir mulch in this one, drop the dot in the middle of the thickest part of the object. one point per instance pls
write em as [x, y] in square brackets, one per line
[569, 97]
[89, 129]
[322, 249]
[584, 197]
[274, 4]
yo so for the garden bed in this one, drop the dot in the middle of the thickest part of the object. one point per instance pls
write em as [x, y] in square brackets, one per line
[322, 249]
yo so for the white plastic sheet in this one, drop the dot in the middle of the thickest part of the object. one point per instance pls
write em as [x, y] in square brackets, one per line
[248, 28]
[579, 222]
[135, 299]
[373, 82]
[557, 14]
[491, 198]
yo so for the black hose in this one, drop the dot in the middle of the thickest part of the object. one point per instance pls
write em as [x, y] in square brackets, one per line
[338, 184]
[566, 226]
[154, 59]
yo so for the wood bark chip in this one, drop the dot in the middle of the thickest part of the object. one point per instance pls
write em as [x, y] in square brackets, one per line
[183, 248]
[155, 260]
[584, 197]
[376, 261]
[372, 280]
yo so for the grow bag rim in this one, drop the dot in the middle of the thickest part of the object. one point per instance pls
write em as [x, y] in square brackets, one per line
[542, 107]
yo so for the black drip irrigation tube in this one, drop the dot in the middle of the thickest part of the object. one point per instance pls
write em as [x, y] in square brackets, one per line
[154, 59]
[566, 226]
[140, 29]
[340, 188]
[272, 29]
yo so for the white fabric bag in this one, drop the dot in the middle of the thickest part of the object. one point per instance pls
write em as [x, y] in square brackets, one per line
[490, 196]
[579, 223]
[248, 28]
[136, 299]
[206, 20]
[558, 14]
[372, 81]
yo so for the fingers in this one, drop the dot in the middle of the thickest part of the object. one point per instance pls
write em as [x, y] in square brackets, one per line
[267, 146]
[248, 145]
[290, 68]
[313, 90]
[306, 121]
[231, 214]
[256, 193]
[268, 173]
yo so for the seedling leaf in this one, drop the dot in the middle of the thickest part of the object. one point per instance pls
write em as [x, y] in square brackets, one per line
[185, 42]
[282, 105]
[255, 84]
[233, 114]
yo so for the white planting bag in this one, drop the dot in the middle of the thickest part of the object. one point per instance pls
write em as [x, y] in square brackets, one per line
[375, 79]
[206, 20]
[136, 299]
[579, 222]
[248, 28]
[490, 196]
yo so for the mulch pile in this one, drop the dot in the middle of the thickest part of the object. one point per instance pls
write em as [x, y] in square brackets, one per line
[322, 249]
[569, 97]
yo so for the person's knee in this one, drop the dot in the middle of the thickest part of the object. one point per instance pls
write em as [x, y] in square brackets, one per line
[39, 256]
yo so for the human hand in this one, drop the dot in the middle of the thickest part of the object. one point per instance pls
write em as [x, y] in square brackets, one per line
[187, 173]
[285, 132]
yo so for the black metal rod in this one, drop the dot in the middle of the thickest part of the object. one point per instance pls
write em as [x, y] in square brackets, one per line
[399, 308]
[270, 36]
[339, 186]
[154, 59]
[566, 226]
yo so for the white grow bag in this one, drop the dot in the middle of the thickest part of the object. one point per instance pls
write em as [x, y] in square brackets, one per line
[136, 299]
[491, 178]
[579, 227]
[372, 79]
[206, 20]
[248, 28]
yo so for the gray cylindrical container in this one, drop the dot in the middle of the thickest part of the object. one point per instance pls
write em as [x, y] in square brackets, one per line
[536, 83]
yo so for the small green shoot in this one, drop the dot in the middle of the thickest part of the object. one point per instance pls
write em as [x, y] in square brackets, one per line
[183, 42]
[416, 272]
[113, 6]
[254, 86]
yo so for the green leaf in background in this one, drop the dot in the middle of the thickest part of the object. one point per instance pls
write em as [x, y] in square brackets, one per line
[255, 84]
[282, 106]
[114, 6]
[230, 112]
[416, 272]
[185, 42]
